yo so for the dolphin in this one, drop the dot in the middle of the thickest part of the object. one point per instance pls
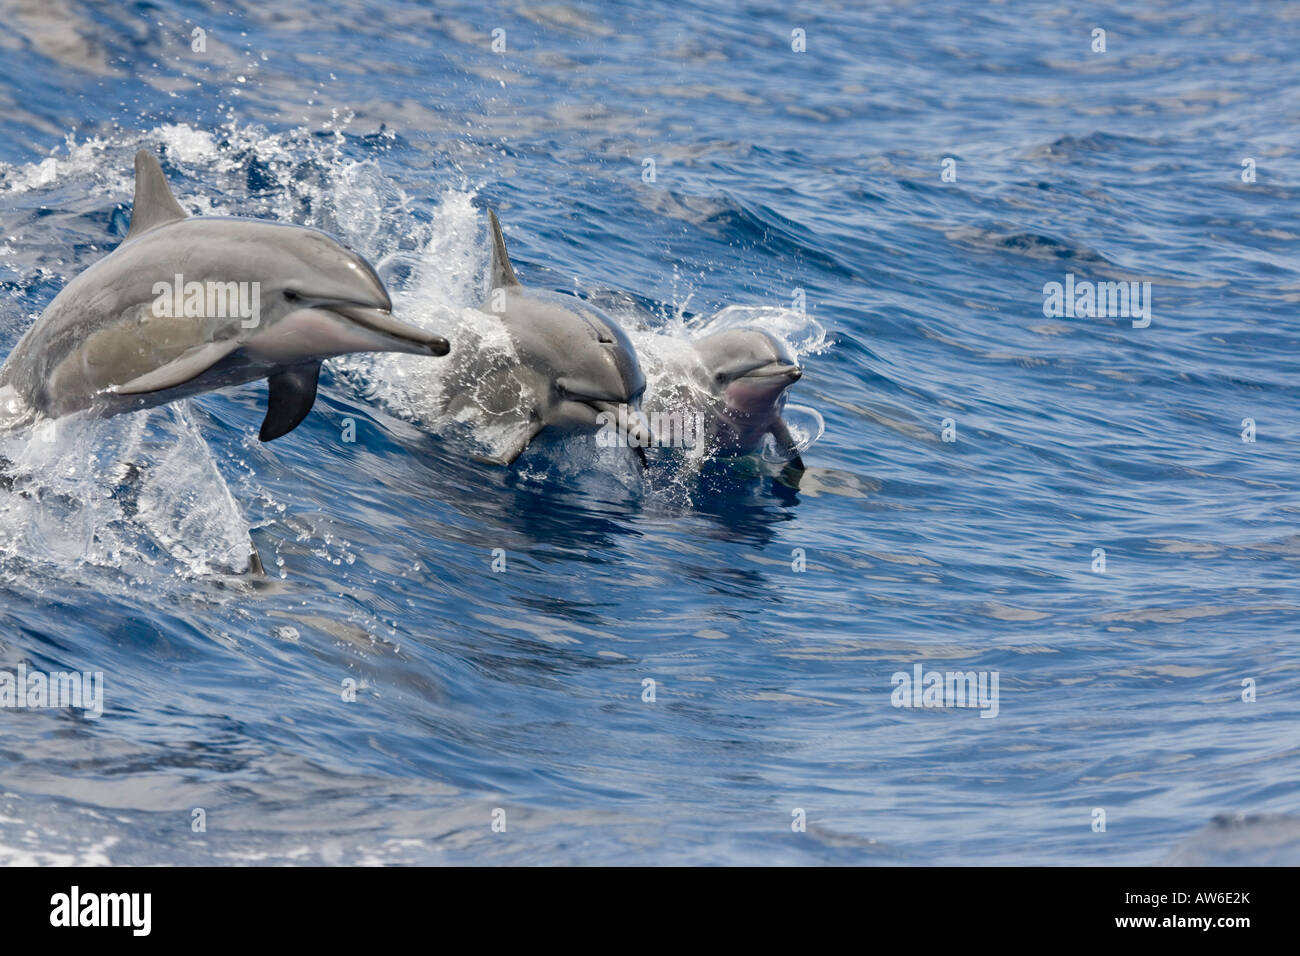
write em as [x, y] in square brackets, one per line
[577, 368]
[153, 321]
[745, 374]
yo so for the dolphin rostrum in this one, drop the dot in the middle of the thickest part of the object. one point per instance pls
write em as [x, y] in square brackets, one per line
[746, 373]
[577, 368]
[190, 304]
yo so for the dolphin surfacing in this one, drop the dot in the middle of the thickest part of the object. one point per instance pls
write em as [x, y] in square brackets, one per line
[577, 369]
[152, 322]
[745, 372]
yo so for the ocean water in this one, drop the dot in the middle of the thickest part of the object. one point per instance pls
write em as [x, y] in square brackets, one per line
[1072, 504]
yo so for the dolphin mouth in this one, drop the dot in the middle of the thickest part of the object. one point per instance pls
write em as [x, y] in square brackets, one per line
[631, 422]
[774, 372]
[761, 390]
[380, 319]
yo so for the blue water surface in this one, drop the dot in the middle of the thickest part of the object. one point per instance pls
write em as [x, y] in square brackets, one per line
[1152, 691]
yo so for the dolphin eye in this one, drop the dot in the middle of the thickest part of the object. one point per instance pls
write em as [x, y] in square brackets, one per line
[720, 377]
[292, 295]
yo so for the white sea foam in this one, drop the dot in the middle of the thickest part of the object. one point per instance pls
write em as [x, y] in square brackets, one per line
[124, 493]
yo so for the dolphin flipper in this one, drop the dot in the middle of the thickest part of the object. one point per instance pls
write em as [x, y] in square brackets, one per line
[290, 395]
[154, 205]
[192, 363]
[786, 444]
[507, 458]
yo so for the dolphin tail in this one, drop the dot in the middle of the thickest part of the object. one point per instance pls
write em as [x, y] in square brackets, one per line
[290, 394]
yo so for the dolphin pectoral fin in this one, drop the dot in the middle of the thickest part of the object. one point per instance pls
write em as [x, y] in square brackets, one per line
[192, 363]
[640, 456]
[793, 470]
[290, 395]
[786, 444]
[515, 449]
[154, 205]
[521, 443]
[789, 477]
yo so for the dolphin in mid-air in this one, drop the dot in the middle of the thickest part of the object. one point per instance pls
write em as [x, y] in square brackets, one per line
[745, 373]
[577, 369]
[190, 304]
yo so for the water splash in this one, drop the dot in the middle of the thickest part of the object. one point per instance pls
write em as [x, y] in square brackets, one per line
[132, 495]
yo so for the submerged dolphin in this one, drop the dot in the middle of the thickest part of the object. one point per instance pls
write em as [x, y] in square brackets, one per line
[746, 373]
[577, 369]
[153, 322]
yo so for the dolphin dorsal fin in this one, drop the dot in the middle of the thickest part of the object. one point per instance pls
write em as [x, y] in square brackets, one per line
[503, 273]
[154, 205]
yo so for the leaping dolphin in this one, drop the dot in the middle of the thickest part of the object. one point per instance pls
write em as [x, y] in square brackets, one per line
[577, 369]
[746, 372]
[152, 322]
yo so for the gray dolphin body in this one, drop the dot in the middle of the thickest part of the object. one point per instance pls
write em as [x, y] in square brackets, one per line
[106, 345]
[577, 369]
[746, 372]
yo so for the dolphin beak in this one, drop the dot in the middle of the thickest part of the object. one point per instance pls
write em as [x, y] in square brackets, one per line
[776, 371]
[380, 319]
[636, 430]
[765, 382]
